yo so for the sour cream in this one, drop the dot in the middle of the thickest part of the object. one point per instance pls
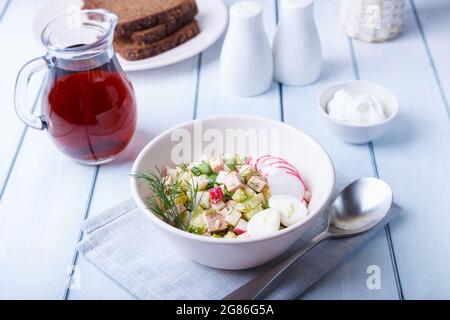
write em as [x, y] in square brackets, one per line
[363, 109]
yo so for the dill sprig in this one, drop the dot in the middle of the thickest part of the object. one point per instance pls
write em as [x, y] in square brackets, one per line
[162, 201]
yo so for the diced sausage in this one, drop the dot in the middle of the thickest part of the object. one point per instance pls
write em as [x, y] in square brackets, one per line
[233, 181]
[214, 222]
[257, 183]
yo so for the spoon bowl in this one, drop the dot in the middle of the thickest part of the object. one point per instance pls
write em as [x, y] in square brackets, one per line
[359, 207]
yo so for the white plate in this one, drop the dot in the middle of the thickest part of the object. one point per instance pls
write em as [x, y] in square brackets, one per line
[212, 18]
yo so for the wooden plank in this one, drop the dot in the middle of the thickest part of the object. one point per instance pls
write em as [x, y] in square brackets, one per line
[413, 157]
[166, 97]
[40, 214]
[433, 18]
[3, 7]
[348, 281]
[22, 51]
[212, 101]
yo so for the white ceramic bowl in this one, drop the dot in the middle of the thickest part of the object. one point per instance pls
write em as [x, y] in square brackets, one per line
[359, 134]
[296, 147]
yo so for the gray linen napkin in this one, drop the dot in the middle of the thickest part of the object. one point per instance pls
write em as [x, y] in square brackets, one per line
[124, 244]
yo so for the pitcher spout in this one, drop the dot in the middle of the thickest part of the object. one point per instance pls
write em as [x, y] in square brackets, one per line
[84, 36]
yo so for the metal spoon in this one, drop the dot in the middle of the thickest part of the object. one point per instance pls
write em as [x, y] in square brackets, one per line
[358, 208]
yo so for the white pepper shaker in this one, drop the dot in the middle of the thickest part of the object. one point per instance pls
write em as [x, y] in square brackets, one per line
[246, 62]
[296, 48]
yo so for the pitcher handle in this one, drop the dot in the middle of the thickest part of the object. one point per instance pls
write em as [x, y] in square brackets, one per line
[23, 79]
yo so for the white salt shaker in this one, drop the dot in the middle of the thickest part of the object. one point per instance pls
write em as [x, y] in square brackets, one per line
[246, 62]
[296, 48]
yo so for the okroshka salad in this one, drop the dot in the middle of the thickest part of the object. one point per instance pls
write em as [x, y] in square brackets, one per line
[225, 197]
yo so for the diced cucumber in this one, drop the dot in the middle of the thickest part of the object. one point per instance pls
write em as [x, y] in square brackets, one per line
[240, 207]
[218, 206]
[185, 218]
[211, 212]
[197, 222]
[266, 193]
[252, 202]
[198, 212]
[203, 200]
[197, 231]
[185, 180]
[201, 182]
[211, 180]
[249, 191]
[239, 196]
[249, 204]
[227, 195]
[232, 162]
[230, 235]
[229, 157]
[233, 217]
[180, 199]
[263, 200]
[202, 168]
[246, 171]
[249, 214]
[238, 160]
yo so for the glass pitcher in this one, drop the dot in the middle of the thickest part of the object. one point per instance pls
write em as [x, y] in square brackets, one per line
[88, 103]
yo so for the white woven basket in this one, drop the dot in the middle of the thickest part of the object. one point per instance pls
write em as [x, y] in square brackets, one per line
[372, 20]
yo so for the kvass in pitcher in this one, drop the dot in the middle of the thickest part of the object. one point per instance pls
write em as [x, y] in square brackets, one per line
[88, 107]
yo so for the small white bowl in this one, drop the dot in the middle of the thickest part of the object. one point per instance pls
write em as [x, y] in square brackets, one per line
[359, 134]
[298, 148]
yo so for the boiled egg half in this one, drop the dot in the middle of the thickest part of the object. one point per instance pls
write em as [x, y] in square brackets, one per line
[291, 209]
[264, 223]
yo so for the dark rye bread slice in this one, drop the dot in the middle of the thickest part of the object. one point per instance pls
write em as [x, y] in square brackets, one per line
[132, 51]
[163, 30]
[138, 15]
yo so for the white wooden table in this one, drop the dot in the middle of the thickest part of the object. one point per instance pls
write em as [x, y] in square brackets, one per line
[44, 196]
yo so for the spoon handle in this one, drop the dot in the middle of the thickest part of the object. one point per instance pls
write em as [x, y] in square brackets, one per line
[254, 287]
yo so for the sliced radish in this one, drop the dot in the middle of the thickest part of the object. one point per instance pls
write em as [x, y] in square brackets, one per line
[286, 184]
[216, 194]
[241, 227]
[249, 161]
[279, 163]
[268, 165]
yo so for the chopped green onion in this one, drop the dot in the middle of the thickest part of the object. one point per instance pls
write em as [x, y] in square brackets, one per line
[198, 231]
[201, 168]
[226, 195]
